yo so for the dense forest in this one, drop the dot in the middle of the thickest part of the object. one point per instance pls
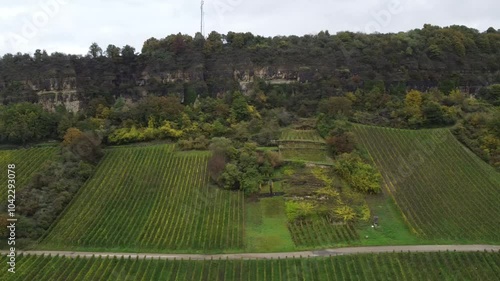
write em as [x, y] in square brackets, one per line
[245, 87]
[310, 67]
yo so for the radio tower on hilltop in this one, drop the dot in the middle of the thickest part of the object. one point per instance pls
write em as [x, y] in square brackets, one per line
[202, 29]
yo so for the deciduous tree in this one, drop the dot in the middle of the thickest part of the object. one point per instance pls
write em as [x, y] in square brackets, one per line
[112, 51]
[95, 51]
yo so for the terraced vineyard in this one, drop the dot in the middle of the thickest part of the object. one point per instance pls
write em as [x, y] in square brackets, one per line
[150, 199]
[302, 135]
[24, 169]
[443, 189]
[482, 266]
[321, 233]
[304, 155]
[303, 145]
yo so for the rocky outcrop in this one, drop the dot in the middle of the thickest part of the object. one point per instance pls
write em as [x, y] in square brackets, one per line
[73, 81]
[271, 75]
[68, 99]
[53, 84]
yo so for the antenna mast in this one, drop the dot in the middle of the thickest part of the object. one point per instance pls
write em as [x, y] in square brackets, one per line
[202, 29]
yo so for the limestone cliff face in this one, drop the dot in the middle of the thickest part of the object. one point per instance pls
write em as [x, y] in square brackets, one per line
[68, 99]
[53, 92]
[52, 84]
[165, 77]
[268, 74]
[74, 82]
[69, 91]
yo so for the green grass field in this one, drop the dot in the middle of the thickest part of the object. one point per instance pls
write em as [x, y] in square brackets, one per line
[266, 226]
[451, 266]
[392, 229]
[27, 161]
[150, 199]
[443, 190]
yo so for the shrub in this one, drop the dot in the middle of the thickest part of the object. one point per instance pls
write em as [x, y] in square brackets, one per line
[299, 210]
[230, 178]
[345, 213]
[216, 165]
[342, 143]
[361, 176]
[336, 106]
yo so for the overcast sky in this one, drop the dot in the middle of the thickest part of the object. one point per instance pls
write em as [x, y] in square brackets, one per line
[70, 26]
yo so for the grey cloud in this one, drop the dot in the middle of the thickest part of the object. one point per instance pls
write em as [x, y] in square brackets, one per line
[76, 23]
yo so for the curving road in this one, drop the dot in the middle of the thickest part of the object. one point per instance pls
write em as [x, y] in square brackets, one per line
[304, 254]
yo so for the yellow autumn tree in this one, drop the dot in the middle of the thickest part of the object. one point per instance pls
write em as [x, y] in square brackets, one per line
[413, 104]
[71, 135]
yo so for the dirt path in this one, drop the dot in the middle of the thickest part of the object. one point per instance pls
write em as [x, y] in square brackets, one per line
[305, 254]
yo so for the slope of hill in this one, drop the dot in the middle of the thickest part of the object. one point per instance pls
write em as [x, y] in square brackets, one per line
[27, 161]
[443, 190]
[150, 199]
